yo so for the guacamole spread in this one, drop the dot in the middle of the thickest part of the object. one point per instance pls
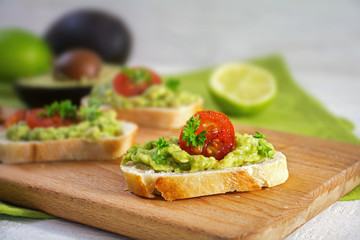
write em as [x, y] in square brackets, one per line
[172, 158]
[106, 125]
[155, 96]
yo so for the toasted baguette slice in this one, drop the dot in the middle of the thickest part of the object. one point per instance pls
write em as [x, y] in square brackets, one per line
[155, 117]
[144, 181]
[68, 149]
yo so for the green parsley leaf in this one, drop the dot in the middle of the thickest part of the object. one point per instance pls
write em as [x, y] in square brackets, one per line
[264, 149]
[138, 75]
[127, 71]
[161, 143]
[50, 110]
[65, 109]
[91, 112]
[159, 158]
[259, 135]
[173, 84]
[192, 125]
[201, 138]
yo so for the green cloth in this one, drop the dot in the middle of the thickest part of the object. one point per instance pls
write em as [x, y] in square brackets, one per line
[353, 195]
[22, 212]
[293, 111]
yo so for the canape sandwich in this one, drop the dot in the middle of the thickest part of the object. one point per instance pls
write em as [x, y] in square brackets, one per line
[208, 158]
[139, 95]
[61, 132]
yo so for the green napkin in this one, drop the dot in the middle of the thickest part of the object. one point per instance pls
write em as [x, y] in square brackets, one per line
[353, 195]
[293, 111]
[22, 212]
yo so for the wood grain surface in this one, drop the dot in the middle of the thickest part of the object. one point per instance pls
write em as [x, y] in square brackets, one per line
[95, 193]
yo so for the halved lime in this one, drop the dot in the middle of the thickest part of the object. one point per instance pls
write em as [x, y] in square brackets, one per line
[242, 88]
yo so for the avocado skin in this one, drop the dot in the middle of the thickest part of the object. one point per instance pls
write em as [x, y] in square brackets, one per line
[37, 97]
[96, 30]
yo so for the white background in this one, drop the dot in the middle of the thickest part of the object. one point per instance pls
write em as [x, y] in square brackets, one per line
[320, 41]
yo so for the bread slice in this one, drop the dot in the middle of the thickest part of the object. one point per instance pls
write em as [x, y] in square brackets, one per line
[68, 149]
[144, 181]
[156, 117]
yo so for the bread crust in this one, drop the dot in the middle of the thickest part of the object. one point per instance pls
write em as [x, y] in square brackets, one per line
[166, 118]
[145, 182]
[74, 149]
[169, 118]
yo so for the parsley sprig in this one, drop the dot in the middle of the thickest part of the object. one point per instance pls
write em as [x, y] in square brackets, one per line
[173, 84]
[259, 135]
[91, 112]
[158, 157]
[192, 125]
[137, 75]
[65, 109]
[161, 143]
[263, 148]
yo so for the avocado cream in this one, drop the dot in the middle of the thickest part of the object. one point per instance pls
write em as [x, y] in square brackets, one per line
[248, 150]
[105, 125]
[155, 96]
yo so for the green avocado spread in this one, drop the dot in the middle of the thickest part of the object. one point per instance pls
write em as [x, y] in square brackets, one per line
[106, 125]
[248, 150]
[158, 95]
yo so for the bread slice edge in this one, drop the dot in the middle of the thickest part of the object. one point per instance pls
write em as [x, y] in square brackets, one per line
[146, 182]
[73, 149]
[155, 117]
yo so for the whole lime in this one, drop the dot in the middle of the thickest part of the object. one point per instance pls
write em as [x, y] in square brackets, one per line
[22, 54]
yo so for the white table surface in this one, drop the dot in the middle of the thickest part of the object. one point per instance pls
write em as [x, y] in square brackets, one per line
[320, 41]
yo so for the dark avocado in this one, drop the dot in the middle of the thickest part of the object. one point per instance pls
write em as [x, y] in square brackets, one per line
[74, 74]
[96, 30]
[43, 90]
[36, 97]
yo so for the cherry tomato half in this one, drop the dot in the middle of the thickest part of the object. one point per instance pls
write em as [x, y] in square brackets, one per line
[35, 119]
[220, 136]
[15, 118]
[128, 87]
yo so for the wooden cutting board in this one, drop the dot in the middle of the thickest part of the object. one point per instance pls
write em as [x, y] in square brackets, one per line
[95, 193]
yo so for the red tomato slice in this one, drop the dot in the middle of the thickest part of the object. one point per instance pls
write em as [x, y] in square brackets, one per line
[15, 118]
[220, 136]
[34, 120]
[126, 87]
